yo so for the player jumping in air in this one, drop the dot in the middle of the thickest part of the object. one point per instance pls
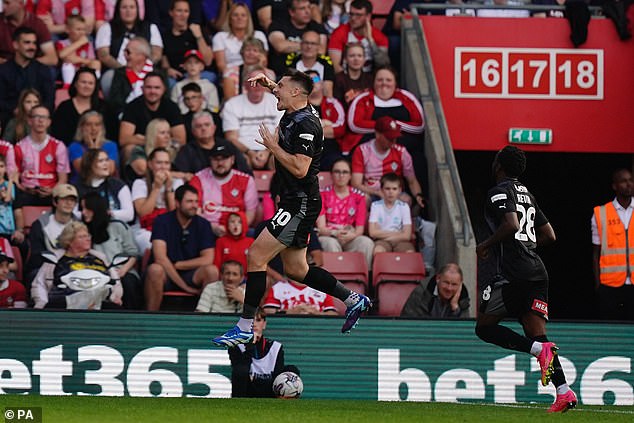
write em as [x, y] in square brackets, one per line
[297, 145]
[516, 282]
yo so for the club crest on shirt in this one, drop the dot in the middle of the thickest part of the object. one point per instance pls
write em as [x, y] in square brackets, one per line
[394, 165]
[48, 158]
[352, 211]
[235, 192]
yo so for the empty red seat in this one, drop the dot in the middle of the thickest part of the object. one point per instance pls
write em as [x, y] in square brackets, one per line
[350, 268]
[395, 275]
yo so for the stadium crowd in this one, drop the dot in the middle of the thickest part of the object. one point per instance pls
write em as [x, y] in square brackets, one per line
[138, 121]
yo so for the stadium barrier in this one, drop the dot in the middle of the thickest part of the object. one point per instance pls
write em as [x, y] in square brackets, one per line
[144, 354]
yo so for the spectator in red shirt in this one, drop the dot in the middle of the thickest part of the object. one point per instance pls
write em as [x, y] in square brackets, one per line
[235, 244]
[12, 293]
[291, 297]
[381, 156]
[360, 29]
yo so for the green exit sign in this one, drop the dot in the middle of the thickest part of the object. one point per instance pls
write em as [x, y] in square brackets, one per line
[530, 136]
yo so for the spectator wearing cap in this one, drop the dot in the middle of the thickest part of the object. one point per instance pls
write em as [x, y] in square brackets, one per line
[12, 293]
[41, 160]
[243, 114]
[222, 189]
[194, 156]
[151, 105]
[380, 156]
[386, 99]
[47, 228]
[184, 34]
[194, 64]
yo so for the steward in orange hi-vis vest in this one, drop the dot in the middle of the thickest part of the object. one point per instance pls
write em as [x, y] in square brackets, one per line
[617, 246]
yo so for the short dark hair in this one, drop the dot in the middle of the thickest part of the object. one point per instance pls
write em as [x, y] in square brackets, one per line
[180, 191]
[192, 87]
[362, 4]
[157, 150]
[173, 3]
[301, 79]
[512, 160]
[155, 74]
[391, 177]
[232, 263]
[341, 160]
[72, 90]
[22, 30]
[617, 172]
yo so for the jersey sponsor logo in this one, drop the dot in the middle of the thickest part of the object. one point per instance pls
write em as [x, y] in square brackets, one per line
[520, 188]
[36, 175]
[540, 307]
[498, 197]
[307, 137]
[212, 207]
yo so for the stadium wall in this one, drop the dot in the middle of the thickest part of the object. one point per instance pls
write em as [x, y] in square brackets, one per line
[144, 354]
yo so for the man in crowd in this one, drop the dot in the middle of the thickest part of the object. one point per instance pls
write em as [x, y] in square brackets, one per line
[242, 115]
[41, 160]
[138, 113]
[23, 71]
[613, 266]
[182, 250]
[222, 190]
[46, 229]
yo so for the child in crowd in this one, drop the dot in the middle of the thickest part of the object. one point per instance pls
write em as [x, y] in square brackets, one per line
[7, 195]
[76, 50]
[12, 293]
[390, 218]
[194, 65]
[235, 244]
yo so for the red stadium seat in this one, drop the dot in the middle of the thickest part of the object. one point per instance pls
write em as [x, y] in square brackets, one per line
[350, 268]
[263, 180]
[395, 275]
[31, 213]
[325, 179]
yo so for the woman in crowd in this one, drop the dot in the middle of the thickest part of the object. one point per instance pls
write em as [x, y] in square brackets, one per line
[95, 176]
[113, 238]
[49, 291]
[386, 99]
[91, 134]
[227, 45]
[343, 215]
[84, 96]
[18, 127]
[153, 195]
[157, 134]
[334, 13]
[113, 37]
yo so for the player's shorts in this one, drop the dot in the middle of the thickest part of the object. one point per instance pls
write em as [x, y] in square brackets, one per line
[501, 297]
[294, 220]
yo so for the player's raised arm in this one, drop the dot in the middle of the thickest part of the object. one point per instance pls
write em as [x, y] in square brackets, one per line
[263, 80]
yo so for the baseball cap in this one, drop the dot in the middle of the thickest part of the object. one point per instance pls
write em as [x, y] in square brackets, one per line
[5, 257]
[64, 190]
[221, 150]
[388, 126]
[194, 53]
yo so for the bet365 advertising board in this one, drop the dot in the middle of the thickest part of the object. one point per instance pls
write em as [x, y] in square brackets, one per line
[144, 354]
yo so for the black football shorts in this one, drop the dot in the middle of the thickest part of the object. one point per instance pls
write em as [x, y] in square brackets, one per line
[294, 220]
[501, 297]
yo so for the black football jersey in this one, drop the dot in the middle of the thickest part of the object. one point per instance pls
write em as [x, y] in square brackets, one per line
[300, 133]
[516, 258]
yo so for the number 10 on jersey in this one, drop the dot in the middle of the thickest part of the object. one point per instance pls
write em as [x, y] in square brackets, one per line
[528, 73]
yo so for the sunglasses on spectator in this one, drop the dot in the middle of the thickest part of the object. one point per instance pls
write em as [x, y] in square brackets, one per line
[185, 236]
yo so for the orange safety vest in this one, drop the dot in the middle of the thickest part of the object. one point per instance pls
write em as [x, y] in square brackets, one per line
[617, 246]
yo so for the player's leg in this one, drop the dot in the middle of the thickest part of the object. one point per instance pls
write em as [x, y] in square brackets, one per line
[497, 300]
[296, 268]
[263, 249]
[534, 324]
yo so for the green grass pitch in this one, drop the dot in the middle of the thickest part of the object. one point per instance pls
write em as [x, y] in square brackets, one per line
[154, 410]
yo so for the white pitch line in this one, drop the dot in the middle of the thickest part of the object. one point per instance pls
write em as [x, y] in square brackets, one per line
[575, 410]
